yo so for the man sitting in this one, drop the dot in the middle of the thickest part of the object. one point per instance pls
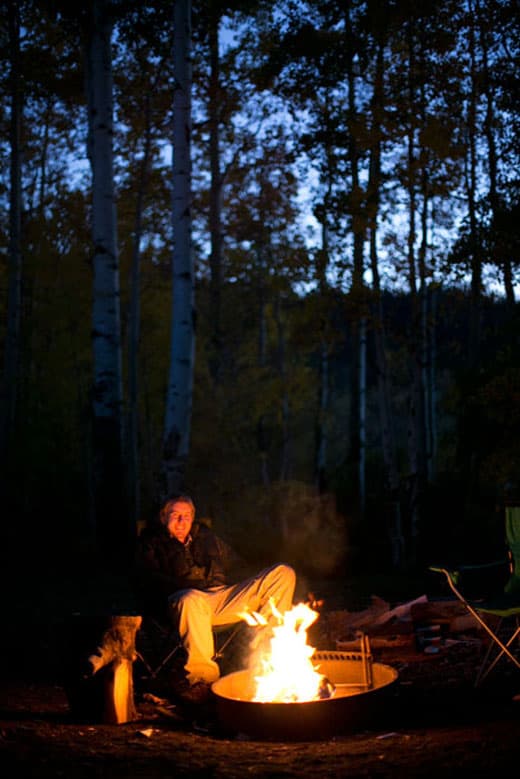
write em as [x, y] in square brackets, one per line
[187, 565]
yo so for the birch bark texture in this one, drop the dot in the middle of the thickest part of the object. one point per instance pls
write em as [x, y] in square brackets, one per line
[106, 329]
[106, 297]
[177, 423]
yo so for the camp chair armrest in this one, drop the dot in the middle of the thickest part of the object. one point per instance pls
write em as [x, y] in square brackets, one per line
[454, 573]
[451, 574]
[467, 567]
[482, 566]
[454, 570]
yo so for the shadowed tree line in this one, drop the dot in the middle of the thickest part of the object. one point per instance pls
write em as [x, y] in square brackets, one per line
[266, 254]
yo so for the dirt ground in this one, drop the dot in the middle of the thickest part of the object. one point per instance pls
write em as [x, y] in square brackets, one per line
[431, 723]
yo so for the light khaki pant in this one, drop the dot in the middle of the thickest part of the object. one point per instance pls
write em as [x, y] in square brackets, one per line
[198, 611]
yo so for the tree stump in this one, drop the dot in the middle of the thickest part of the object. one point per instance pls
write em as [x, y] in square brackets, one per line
[99, 683]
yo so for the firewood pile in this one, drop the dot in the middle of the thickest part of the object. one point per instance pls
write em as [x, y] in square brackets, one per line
[419, 625]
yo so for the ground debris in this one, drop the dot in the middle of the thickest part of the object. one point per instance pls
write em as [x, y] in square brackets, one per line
[419, 625]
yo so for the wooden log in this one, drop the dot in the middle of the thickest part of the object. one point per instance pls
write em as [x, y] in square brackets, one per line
[99, 684]
[117, 651]
[452, 615]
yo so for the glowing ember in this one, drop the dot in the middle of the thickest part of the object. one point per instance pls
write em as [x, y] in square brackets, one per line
[284, 672]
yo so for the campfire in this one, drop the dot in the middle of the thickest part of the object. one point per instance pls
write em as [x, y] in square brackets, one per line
[292, 691]
[284, 670]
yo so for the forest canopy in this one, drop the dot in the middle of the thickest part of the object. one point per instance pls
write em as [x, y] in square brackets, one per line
[267, 252]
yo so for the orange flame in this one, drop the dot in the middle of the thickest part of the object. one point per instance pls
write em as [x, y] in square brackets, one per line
[285, 672]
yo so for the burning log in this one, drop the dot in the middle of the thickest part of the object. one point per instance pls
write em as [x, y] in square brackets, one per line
[326, 689]
[99, 684]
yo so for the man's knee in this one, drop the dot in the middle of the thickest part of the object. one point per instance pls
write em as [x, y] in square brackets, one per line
[280, 582]
[286, 573]
[188, 601]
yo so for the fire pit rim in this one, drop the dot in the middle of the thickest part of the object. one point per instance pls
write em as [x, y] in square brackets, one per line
[304, 720]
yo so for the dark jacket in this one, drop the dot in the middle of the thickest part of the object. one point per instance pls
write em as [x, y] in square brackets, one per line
[166, 566]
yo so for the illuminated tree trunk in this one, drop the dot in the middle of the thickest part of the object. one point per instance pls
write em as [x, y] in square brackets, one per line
[177, 425]
[110, 514]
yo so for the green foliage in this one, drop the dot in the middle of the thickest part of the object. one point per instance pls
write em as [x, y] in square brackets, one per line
[287, 131]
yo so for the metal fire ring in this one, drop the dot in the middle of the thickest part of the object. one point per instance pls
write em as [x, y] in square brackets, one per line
[357, 703]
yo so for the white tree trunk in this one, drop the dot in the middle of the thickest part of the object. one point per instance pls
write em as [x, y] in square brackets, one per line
[180, 382]
[106, 300]
[109, 514]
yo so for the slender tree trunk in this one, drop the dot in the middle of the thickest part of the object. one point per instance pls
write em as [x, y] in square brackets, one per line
[215, 198]
[397, 540]
[177, 426]
[471, 192]
[413, 442]
[423, 354]
[362, 412]
[489, 130]
[42, 167]
[10, 384]
[261, 428]
[134, 325]
[358, 291]
[112, 527]
[321, 426]
[422, 362]
[285, 454]
[432, 380]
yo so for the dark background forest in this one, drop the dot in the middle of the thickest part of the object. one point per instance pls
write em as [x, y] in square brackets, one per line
[354, 231]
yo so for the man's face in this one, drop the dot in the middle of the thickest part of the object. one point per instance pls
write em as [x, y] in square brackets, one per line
[180, 520]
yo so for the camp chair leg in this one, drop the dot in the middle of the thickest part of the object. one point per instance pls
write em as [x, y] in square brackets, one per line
[154, 672]
[165, 635]
[167, 659]
[493, 636]
[481, 673]
[146, 664]
[220, 651]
